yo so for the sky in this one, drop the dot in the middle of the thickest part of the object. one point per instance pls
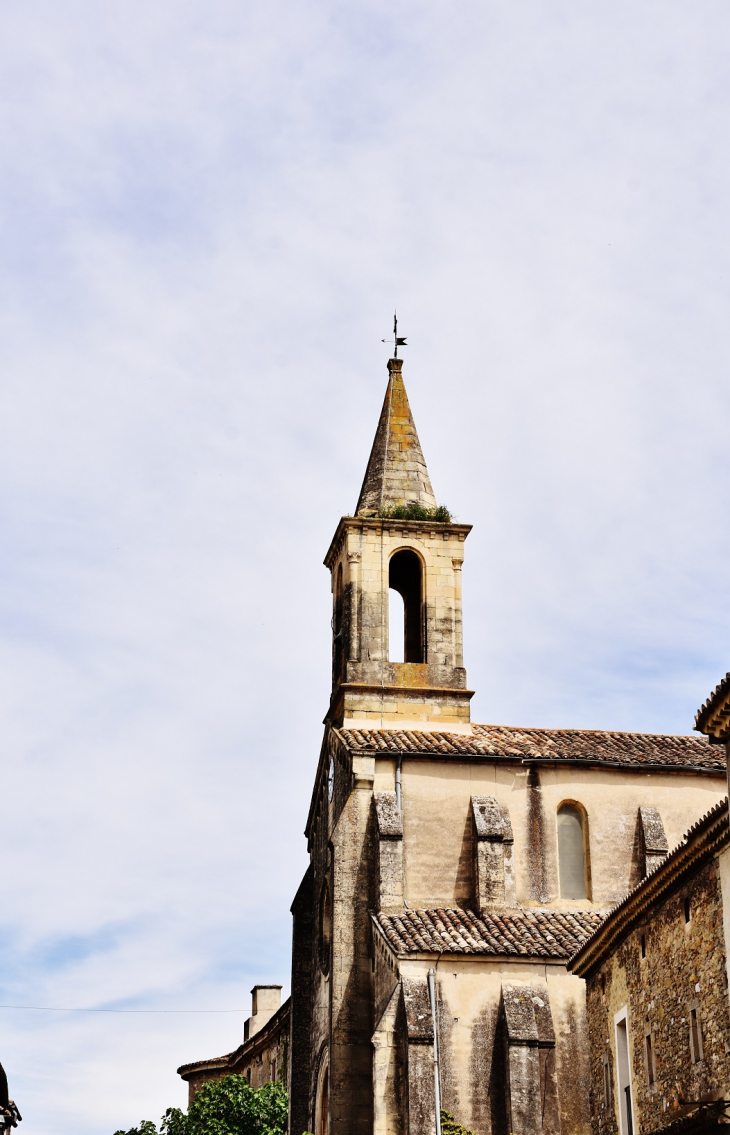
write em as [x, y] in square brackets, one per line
[208, 213]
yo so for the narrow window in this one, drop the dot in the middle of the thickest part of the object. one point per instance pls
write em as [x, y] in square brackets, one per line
[687, 910]
[325, 926]
[624, 1077]
[571, 853]
[695, 1036]
[406, 578]
[273, 1070]
[338, 653]
[643, 945]
[603, 986]
[650, 1069]
[607, 1093]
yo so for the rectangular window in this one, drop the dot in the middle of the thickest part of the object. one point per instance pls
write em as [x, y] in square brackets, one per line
[643, 945]
[695, 1036]
[650, 1069]
[687, 910]
[623, 1072]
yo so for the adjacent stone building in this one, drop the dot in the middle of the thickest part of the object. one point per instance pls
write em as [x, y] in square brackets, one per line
[454, 867]
[263, 1056]
[657, 995]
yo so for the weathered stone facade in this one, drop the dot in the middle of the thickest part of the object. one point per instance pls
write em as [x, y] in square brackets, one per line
[435, 845]
[659, 963]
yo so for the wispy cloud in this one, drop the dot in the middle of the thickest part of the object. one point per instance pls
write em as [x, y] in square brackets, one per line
[207, 215]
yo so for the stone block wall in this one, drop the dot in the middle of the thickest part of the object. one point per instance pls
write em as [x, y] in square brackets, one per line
[683, 967]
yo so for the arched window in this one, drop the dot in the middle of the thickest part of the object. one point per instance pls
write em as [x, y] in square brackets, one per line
[572, 852]
[322, 1103]
[406, 577]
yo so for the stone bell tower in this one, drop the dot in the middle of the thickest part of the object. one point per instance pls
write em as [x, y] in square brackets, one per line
[371, 553]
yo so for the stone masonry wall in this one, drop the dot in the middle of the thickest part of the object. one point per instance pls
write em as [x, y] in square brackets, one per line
[684, 968]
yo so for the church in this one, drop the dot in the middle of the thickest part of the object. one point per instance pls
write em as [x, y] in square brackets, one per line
[454, 867]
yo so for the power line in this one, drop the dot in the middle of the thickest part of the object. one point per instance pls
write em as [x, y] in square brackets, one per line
[57, 1009]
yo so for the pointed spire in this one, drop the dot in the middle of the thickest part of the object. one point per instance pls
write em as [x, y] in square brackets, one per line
[396, 472]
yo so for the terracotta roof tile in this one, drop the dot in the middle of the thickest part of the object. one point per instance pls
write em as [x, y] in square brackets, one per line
[594, 746]
[715, 706]
[527, 932]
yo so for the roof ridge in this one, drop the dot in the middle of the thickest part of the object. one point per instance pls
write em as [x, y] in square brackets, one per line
[669, 752]
[582, 729]
[541, 729]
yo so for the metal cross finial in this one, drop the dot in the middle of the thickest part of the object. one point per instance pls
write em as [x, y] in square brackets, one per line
[399, 341]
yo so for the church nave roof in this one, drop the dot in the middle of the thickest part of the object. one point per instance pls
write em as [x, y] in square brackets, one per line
[587, 746]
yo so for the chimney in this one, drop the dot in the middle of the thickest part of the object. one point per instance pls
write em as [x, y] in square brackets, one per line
[265, 1000]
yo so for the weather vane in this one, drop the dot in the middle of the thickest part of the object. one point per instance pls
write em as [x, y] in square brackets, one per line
[399, 342]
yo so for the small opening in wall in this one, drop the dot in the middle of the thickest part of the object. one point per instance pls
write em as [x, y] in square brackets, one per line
[695, 1037]
[643, 945]
[687, 910]
[325, 926]
[650, 1070]
[603, 985]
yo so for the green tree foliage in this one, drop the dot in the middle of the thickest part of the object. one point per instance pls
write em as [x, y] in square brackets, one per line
[225, 1107]
[449, 1126]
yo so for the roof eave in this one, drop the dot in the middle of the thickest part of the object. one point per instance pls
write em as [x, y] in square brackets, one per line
[713, 718]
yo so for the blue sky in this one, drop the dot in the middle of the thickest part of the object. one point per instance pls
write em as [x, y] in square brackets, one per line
[207, 215]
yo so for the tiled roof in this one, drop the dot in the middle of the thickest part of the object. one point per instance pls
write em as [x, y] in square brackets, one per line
[527, 932]
[712, 717]
[594, 746]
[242, 1055]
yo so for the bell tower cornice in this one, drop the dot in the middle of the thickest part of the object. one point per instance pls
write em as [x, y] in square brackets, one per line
[407, 529]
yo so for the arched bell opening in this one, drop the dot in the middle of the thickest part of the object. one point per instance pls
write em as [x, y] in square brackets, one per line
[405, 576]
[337, 625]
